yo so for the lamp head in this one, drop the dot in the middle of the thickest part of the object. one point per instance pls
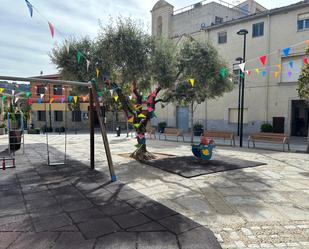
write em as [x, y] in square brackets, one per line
[239, 59]
[242, 32]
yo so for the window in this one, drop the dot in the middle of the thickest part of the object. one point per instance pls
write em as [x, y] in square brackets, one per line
[303, 22]
[41, 116]
[258, 29]
[222, 37]
[159, 26]
[218, 20]
[40, 90]
[58, 116]
[57, 90]
[76, 116]
[233, 115]
[236, 74]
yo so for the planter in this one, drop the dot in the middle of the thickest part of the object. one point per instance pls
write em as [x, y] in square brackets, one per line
[198, 133]
[34, 131]
[2, 131]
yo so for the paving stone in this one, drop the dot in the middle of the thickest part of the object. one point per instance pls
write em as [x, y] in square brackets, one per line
[38, 195]
[157, 212]
[95, 228]
[198, 238]
[141, 202]
[119, 240]
[115, 208]
[7, 238]
[8, 209]
[148, 227]
[47, 223]
[178, 223]
[157, 240]
[16, 223]
[130, 219]
[73, 241]
[75, 204]
[34, 240]
[87, 214]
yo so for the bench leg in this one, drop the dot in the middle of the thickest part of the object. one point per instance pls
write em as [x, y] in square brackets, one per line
[177, 138]
[289, 146]
[183, 138]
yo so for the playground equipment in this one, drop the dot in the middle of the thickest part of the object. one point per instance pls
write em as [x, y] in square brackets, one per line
[204, 149]
[15, 139]
[93, 103]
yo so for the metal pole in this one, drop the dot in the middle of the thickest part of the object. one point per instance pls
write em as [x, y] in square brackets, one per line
[91, 124]
[239, 96]
[49, 111]
[242, 96]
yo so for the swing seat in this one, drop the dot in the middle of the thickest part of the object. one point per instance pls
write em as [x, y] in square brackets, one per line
[202, 151]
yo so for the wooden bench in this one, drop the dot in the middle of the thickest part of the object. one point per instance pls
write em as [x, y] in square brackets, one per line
[269, 137]
[173, 131]
[151, 130]
[221, 134]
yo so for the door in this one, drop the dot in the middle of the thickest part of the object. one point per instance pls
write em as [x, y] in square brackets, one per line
[300, 118]
[183, 118]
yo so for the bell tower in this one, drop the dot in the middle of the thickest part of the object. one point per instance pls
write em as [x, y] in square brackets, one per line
[162, 13]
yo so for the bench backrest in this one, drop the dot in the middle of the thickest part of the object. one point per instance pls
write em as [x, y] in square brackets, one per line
[149, 128]
[173, 131]
[270, 136]
[219, 134]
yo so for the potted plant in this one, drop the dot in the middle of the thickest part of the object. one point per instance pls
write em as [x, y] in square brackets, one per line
[161, 126]
[198, 129]
[2, 129]
[266, 128]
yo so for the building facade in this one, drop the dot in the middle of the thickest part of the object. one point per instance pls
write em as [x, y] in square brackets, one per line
[270, 97]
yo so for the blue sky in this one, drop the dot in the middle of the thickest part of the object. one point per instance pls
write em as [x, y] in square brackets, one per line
[25, 42]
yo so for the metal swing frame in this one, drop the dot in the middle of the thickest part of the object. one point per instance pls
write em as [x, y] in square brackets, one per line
[93, 103]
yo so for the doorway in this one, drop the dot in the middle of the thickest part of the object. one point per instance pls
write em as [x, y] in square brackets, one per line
[300, 118]
[183, 118]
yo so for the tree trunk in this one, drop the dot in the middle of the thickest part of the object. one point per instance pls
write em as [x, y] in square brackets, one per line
[191, 121]
[141, 153]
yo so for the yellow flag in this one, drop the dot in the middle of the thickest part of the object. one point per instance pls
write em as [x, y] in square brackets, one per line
[1, 90]
[141, 115]
[257, 70]
[75, 99]
[279, 66]
[98, 72]
[276, 74]
[136, 125]
[131, 119]
[116, 98]
[192, 81]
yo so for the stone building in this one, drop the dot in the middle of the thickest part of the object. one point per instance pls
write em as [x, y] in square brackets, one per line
[270, 97]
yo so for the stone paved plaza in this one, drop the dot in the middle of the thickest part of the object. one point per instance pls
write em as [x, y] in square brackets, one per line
[260, 207]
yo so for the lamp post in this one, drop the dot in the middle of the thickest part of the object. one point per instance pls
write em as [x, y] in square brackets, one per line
[244, 33]
[239, 59]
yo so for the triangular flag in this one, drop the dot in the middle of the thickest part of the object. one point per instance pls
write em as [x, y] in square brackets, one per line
[13, 92]
[264, 73]
[84, 98]
[16, 99]
[70, 98]
[289, 73]
[136, 126]
[307, 42]
[52, 29]
[291, 63]
[257, 70]
[306, 60]
[241, 75]
[40, 101]
[62, 99]
[98, 72]
[140, 136]
[279, 66]
[222, 72]
[75, 99]
[150, 109]
[51, 100]
[248, 72]
[276, 74]
[267, 68]
[130, 97]
[116, 98]
[141, 116]
[153, 94]
[242, 66]
[30, 7]
[42, 95]
[30, 101]
[78, 55]
[100, 94]
[150, 100]
[111, 91]
[88, 64]
[192, 81]
[3, 97]
[67, 46]
[286, 51]
[263, 59]
[130, 119]
[2, 90]
[28, 94]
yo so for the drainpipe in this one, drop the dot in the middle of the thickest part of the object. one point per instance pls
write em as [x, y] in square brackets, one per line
[268, 75]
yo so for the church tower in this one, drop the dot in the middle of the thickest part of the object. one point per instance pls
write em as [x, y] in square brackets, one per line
[162, 13]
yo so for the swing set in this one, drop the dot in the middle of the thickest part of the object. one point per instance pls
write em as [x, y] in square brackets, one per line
[93, 103]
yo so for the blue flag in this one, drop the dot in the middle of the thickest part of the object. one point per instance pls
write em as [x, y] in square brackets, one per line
[70, 98]
[291, 63]
[286, 51]
[30, 7]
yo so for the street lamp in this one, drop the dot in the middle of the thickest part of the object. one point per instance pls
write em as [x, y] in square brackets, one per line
[239, 60]
[244, 33]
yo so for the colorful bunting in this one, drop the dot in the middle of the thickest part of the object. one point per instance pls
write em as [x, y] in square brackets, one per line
[276, 74]
[52, 29]
[192, 81]
[78, 56]
[150, 109]
[30, 101]
[286, 51]
[28, 94]
[98, 72]
[130, 97]
[30, 7]
[13, 92]
[264, 73]
[289, 73]
[130, 119]
[116, 98]
[100, 94]
[307, 42]
[140, 135]
[67, 46]
[268, 69]
[51, 100]
[279, 66]
[248, 72]
[306, 60]
[242, 66]
[62, 100]
[40, 101]
[2, 90]
[3, 97]
[16, 99]
[223, 72]
[141, 116]
[291, 63]
[136, 126]
[75, 99]
[84, 98]
[263, 59]
[88, 64]
[111, 91]
[42, 95]
[257, 70]
[70, 98]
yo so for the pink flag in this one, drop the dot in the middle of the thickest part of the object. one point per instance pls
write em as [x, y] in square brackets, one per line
[140, 136]
[149, 100]
[52, 29]
[150, 109]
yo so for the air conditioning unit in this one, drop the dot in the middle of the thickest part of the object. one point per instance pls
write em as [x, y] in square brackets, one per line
[203, 25]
